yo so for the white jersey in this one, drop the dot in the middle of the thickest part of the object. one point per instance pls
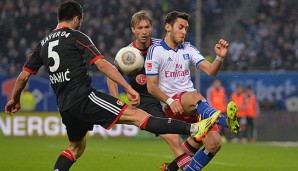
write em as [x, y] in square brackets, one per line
[172, 67]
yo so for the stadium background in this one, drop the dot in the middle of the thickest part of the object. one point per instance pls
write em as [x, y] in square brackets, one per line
[262, 33]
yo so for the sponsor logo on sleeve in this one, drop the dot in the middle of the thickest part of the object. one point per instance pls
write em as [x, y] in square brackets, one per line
[149, 66]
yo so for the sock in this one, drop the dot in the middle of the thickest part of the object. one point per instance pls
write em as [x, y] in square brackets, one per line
[179, 162]
[165, 126]
[64, 161]
[199, 160]
[205, 110]
[190, 150]
[183, 160]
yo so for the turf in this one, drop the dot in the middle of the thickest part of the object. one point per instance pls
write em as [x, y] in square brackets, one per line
[35, 154]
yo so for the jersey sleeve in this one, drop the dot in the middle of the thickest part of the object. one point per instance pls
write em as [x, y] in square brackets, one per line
[90, 52]
[152, 62]
[34, 61]
[196, 56]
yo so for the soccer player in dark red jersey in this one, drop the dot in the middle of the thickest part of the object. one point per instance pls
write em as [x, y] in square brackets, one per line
[141, 26]
[66, 54]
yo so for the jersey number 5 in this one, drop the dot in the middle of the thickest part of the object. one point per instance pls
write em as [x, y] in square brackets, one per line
[54, 55]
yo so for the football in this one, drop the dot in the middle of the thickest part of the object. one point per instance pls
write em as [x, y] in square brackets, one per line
[129, 60]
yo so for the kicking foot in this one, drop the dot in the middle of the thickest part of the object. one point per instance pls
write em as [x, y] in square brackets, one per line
[204, 126]
[232, 121]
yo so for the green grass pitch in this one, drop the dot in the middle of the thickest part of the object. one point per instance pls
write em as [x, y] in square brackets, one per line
[35, 154]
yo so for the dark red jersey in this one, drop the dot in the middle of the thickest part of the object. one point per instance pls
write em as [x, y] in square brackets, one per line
[65, 53]
[138, 79]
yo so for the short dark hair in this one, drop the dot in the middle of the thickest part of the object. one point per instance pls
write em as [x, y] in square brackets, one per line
[171, 17]
[69, 9]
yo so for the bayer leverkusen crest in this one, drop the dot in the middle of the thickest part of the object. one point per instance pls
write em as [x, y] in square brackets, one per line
[120, 103]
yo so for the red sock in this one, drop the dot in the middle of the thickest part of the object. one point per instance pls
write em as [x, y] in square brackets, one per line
[67, 153]
[183, 160]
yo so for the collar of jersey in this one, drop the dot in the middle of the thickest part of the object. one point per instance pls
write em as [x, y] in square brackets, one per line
[164, 45]
[57, 28]
[143, 51]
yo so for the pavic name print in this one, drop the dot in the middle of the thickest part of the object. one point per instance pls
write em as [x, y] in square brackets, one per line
[59, 77]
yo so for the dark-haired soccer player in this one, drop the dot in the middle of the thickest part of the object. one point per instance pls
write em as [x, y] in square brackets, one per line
[66, 52]
[141, 26]
[168, 79]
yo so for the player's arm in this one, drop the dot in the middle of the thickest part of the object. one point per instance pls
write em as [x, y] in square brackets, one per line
[13, 104]
[155, 91]
[111, 72]
[113, 87]
[31, 67]
[221, 49]
[152, 64]
[91, 53]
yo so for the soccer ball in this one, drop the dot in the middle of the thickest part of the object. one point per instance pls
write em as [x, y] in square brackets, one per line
[129, 60]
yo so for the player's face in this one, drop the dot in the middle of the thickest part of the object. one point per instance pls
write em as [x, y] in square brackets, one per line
[142, 31]
[178, 30]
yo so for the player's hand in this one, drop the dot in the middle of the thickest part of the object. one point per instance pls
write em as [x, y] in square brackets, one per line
[221, 48]
[177, 108]
[133, 97]
[12, 107]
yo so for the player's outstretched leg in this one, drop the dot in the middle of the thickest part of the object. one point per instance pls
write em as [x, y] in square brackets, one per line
[204, 109]
[232, 121]
[206, 125]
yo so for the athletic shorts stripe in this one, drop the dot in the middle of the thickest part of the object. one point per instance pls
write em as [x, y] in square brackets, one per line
[104, 101]
[104, 104]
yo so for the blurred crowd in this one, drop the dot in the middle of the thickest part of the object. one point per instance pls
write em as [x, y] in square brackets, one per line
[267, 42]
[247, 104]
[23, 23]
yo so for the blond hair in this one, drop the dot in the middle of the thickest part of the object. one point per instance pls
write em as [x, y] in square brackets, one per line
[139, 16]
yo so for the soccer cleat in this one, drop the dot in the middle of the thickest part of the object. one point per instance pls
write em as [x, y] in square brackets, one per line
[204, 126]
[164, 167]
[232, 121]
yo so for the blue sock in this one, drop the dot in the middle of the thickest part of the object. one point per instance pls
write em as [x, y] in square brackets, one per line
[205, 110]
[199, 160]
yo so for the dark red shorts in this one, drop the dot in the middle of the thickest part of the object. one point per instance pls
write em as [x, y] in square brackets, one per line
[183, 117]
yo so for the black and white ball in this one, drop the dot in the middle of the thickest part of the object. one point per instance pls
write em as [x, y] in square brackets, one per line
[129, 60]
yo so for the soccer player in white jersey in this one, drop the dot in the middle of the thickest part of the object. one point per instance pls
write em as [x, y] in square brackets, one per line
[168, 79]
[141, 26]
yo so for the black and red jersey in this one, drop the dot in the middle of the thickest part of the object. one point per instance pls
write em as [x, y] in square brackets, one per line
[65, 53]
[138, 79]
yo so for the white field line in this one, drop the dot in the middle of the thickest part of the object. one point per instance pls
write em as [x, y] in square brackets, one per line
[282, 143]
